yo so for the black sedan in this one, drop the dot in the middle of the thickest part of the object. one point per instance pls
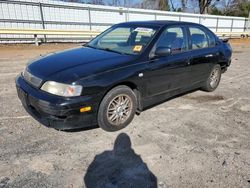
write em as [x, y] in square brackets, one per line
[126, 69]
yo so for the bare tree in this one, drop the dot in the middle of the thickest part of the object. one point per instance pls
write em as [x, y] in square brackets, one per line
[238, 8]
[183, 4]
[202, 5]
[173, 8]
[163, 5]
[155, 4]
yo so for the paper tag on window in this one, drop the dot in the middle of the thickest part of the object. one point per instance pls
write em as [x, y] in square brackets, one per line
[143, 29]
[137, 48]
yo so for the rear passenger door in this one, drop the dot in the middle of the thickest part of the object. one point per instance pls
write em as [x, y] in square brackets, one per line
[204, 53]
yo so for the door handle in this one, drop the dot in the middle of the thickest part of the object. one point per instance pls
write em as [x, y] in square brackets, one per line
[209, 55]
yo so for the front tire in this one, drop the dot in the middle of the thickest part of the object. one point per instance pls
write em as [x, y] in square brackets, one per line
[117, 109]
[213, 80]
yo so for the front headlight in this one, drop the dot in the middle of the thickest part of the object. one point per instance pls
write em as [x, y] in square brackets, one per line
[60, 89]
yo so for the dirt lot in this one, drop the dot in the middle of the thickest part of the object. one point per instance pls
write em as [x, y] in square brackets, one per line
[197, 140]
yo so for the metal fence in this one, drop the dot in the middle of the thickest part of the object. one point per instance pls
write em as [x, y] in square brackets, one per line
[48, 14]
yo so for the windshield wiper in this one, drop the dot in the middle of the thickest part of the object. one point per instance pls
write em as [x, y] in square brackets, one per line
[107, 49]
[110, 50]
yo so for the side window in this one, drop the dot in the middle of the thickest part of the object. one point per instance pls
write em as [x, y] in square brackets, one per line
[211, 39]
[198, 38]
[173, 38]
[143, 37]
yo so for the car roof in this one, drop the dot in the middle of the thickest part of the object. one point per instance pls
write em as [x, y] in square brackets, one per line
[159, 23]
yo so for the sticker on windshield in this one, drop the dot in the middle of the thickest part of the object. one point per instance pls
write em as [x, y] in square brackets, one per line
[137, 48]
[143, 29]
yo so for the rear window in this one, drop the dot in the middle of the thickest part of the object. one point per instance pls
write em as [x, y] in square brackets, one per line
[211, 39]
[199, 38]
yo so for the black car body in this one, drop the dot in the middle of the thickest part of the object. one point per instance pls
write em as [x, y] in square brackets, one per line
[154, 73]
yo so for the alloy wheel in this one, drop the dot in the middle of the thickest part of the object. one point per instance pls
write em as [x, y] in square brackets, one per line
[119, 109]
[214, 77]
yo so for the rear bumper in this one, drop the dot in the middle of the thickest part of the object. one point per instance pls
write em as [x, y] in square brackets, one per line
[55, 111]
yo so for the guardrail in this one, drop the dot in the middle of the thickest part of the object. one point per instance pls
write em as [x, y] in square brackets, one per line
[89, 34]
[58, 20]
[36, 32]
[48, 32]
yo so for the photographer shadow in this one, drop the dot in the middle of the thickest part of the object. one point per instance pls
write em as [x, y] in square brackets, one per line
[119, 168]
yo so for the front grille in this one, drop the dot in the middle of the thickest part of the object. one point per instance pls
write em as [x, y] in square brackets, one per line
[30, 78]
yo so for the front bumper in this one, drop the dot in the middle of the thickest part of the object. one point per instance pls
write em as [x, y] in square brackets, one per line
[55, 111]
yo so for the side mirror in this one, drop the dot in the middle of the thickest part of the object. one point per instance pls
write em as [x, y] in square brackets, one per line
[162, 51]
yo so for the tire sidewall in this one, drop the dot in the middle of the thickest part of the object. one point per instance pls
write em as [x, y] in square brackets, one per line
[102, 111]
[207, 86]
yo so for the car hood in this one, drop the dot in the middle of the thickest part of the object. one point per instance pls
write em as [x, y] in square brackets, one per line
[71, 65]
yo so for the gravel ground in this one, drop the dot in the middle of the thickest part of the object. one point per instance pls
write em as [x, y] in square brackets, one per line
[197, 140]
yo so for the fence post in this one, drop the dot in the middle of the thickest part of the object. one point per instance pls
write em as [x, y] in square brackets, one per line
[231, 29]
[155, 16]
[36, 40]
[217, 24]
[247, 24]
[180, 17]
[90, 23]
[127, 15]
[42, 19]
[125, 12]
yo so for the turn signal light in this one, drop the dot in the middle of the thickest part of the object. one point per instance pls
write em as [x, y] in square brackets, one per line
[85, 109]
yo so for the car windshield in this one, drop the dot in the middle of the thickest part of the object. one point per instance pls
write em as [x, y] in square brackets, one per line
[124, 40]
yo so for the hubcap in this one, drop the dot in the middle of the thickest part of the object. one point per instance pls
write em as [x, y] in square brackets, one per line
[214, 78]
[119, 109]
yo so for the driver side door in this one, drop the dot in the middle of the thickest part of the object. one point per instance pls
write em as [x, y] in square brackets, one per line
[168, 74]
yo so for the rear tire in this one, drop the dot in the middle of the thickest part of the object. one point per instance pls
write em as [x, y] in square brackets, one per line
[213, 80]
[117, 109]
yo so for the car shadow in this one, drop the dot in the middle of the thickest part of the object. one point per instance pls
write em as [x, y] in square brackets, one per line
[119, 168]
[81, 129]
[170, 98]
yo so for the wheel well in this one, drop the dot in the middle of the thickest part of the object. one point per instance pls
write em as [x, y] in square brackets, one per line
[135, 89]
[129, 84]
[222, 65]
